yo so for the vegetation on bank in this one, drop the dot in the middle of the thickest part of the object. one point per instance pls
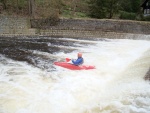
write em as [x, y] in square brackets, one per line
[54, 9]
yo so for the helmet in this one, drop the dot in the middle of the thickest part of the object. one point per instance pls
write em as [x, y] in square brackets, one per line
[79, 54]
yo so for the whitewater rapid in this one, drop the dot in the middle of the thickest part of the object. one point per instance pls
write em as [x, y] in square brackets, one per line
[117, 84]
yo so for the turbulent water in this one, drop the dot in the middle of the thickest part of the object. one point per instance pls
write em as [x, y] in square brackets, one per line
[30, 83]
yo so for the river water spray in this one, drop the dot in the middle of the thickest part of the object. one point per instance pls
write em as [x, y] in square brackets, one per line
[30, 83]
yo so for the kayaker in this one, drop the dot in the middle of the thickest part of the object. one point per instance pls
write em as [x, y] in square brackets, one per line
[78, 61]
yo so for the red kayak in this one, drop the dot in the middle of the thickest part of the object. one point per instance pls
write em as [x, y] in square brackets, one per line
[73, 67]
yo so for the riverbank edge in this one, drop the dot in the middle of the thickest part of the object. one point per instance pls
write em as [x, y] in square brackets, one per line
[81, 34]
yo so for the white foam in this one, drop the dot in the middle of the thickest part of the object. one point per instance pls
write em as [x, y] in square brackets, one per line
[114, 86]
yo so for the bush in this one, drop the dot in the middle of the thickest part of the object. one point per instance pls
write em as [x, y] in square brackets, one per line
[80, 14]
[146, 18]
[126, 15]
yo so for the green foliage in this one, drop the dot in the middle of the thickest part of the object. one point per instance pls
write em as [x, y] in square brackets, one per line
[136, 5]
[126, 5]
[4, 3]
[129, 9]
[97, 8]
[112, 7]
[126, 15]
[146, 18]
[21, 4]
[74, 8]
[79, 14]
[66, 13]
[103, 8]
[47, 8]
[131, 5]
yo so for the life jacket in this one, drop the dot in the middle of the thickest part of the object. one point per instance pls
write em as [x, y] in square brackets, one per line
[78, 62]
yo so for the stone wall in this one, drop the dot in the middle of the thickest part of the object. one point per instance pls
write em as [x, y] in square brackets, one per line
[15, 26]
[92, 34]
[73, 27]
[121, 26]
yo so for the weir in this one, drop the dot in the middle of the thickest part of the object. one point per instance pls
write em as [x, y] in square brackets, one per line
[76, 28]
[30, 83]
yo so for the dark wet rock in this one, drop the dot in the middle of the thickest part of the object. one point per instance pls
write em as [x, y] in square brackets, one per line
[147, 76]
[31, 49]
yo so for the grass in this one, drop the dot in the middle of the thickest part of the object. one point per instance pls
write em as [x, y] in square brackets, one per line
[67, 14]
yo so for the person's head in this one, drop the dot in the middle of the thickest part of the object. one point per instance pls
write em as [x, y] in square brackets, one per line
[79, 54]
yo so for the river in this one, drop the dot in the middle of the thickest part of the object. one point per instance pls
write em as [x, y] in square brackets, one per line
[30, 83]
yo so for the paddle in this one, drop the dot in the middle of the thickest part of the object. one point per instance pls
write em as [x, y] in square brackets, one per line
[68, 59]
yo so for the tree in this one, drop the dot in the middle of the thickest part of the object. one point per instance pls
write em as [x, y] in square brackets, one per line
[4, 3]
[112, 7]
[49, 8]
[135, 5]
[132, 6]
[32, 8]
[103, 8]
[97, 8]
